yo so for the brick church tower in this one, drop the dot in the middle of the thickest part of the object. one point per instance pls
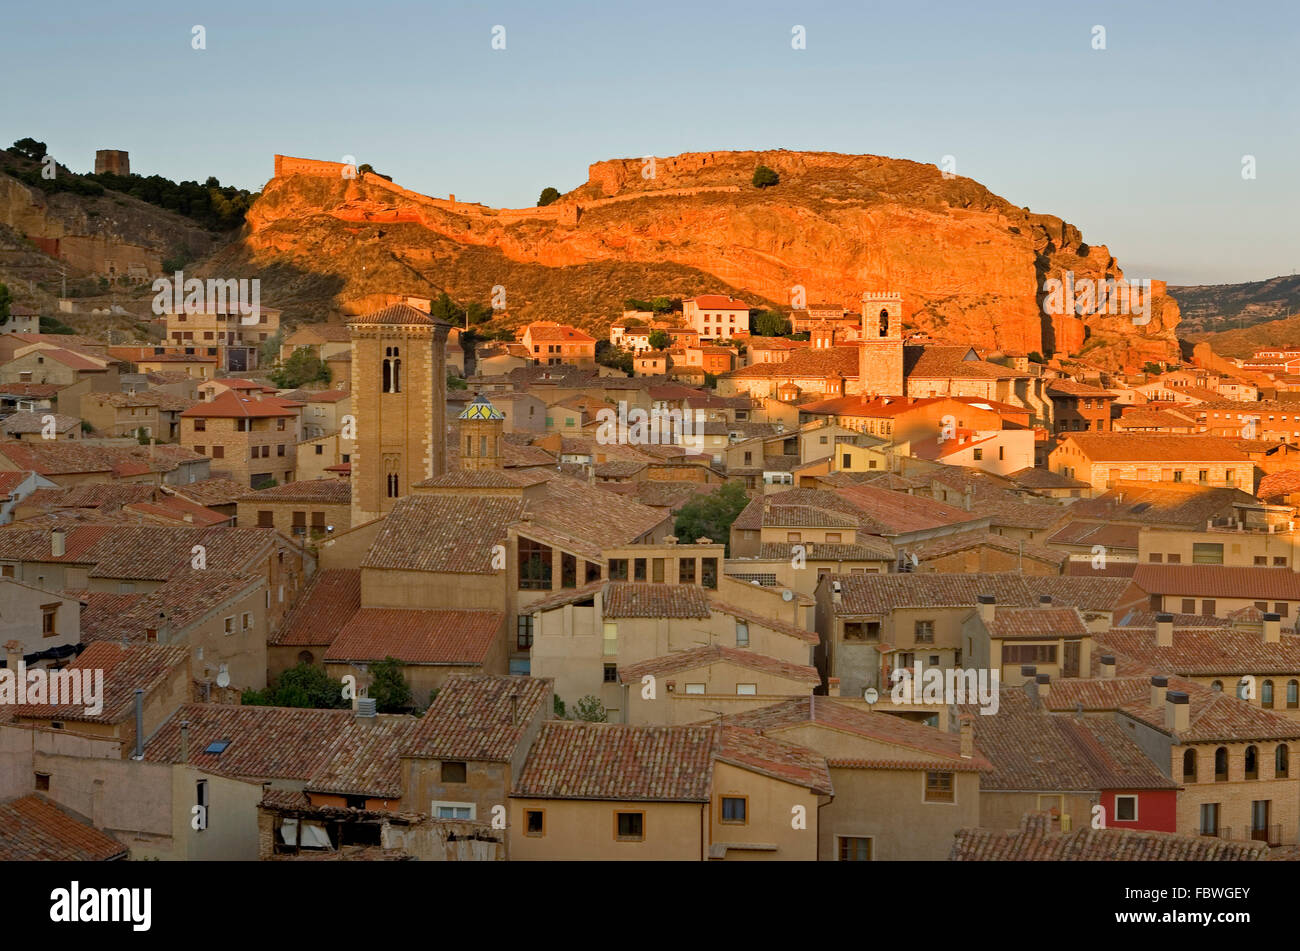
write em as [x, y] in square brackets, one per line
[399, 398]
[481, 424]
[880, 354]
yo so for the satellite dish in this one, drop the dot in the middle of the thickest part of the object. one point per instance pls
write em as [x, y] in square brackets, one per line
[223, 677]
[787, 595]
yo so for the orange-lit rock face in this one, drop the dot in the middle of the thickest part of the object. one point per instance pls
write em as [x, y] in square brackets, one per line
[970, 266]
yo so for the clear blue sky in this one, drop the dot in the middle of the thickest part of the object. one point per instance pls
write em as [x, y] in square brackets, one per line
[1140, 145]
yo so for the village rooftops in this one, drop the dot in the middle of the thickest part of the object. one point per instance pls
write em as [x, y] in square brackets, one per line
[33, 828]
[479, 717]
[143, 666]
[1143, 447]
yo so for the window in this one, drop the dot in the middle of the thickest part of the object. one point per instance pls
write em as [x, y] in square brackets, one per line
[1208, 607]
[1279, 561]
[453, 772]
[638, 569]
[1221, 765]
[618, 569]
[569, 570]
[695, 688]
[320, 450]
[924, 632]
[938, 787]
[1281, 607]
[1266, 694]
[610, 634]
[534, 566]
[742, 634]
[1189, 606]
[524, 632]
[1126, 808]
[1281, 762]
[279, 450]
[265, 519]
[200, 425]
[733, 809]
[1155, 557]
[1029, 653]
[1252, 762]
[746, 690]
[230, 624]
[611, 673]
[246, 620]
[218, 452]
[1292, 694]
[453, 810]
[686, 571]
[854, 848]
[629, 826]
[1174, 559]
[709, 572]
[49, 620]
[1207, 553]
[535, 822]
[42, 782]
[1189, 766]
[979, 454]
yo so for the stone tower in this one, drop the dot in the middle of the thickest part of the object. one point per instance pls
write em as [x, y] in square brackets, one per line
[399, 398]
[880, 355]
[481, 424]
[113, 161]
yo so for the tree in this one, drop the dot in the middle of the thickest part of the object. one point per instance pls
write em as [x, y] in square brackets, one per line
[301, 368]
[770, 323]
[456, 383]
[30, 148]
[663, 305]
[549, 195]
[389, 689]
[1036, 357]
[764, 177]
[269, 349]
[301, 686]
[141, 436]
[557, 707]
[1154, 369]
[711, 516]
[609, 355]
[5, 300]
[635, 303]
[591, 710]
[659, 340]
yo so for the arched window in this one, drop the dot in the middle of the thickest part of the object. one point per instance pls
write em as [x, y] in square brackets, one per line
[388, 376]
[306, 657]
[1281, 762]
[1292, 694]
[884, 323]
[1217, 686]
[397, 375]
[1266, 693]
[392, 485]
[1189, 765]
[1221, 765]
[1241, 688]
[1252, 763]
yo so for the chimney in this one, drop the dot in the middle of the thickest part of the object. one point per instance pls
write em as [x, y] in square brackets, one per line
[1030, 673]
[13, 656]
[986, 607]
[833, 688]
[1107, 666]
[1159, 687]
[1177, 712]
[967, 734]
[185, 741]
[58, 542]
[837, 597]
[1164, 630]
[365, 710]
[1272, 628]
[139, 723]
[1044, 600]
[969, 499]
[1044, 685]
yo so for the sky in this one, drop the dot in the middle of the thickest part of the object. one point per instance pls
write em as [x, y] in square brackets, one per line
[1141, 144]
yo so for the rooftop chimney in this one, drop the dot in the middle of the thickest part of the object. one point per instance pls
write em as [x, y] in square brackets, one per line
[833, 688]
[1177, 712]
[365, 709]
[1044, 685]
[1159, 687]
[13, 655]
[1164, 630]
[1044, 600]
[1108, 665]
[58, 542]
[986, 606]
[1272, 628]
[967, 734]
[1030, 673]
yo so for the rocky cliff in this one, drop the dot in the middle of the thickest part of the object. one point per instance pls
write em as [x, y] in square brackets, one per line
[971, 267]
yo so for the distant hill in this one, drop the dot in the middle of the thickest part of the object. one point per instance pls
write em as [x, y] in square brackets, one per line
[1238, 319]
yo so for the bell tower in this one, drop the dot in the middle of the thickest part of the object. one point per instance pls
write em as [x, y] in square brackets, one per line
[880, 355]
[399, 398]
[480, 434]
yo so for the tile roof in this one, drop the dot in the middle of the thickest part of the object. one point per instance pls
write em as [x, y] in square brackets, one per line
[718, 302]
[1206, 651]
[33, 828]
[868, 594]
[363, 760]
[772, 624]
[1036, 623]
[751, 750]
[184, 600]
[26, 422]
[1167, 503]
[320, 491]
[125, 668]
[697, 657]
[228, 404]
[606, 761]
[479, 717]
[1223, 581]
[397, 315]
[1034, 841]
[638, 599]
[417, 637]
[949, 363]
[1141, 447]
[210, 492]
[326, 604]
[443, 533]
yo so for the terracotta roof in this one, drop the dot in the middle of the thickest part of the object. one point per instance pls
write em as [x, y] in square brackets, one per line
[33, 828]
[1110, 536]
[35, 422]
[751, 750]
[210, 492]
[1222, 581]
[319, 491]
[1206, 651]
[1036, 623]
[875, 594]
[325, 605]
[948, 363]
[1035, 841]
[397, 314]
[605, 761]
[718, 302]
[229, 404]
[698, 657]
[443, 533]
[1071, 388]
[479, 717]
[363, 760]
[559, 332]
[417, 637]
[1036, 478]
[1155, 447]
[638, 599]
[185, 600]
[125, 668]
[772, 624]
